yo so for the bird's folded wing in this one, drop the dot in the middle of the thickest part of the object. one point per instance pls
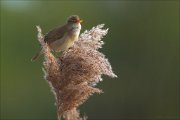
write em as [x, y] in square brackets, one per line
[55, 34]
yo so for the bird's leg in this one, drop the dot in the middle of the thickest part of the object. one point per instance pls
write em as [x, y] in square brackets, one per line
[70, 48]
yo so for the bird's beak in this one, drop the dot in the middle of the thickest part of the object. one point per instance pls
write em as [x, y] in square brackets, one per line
[80, 21]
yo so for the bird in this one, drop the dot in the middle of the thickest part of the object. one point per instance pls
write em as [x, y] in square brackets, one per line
[63, 37]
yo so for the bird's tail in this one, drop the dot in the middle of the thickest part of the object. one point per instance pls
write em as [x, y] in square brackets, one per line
[36, 56]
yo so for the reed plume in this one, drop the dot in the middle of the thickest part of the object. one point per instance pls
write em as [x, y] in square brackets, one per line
[74, 75]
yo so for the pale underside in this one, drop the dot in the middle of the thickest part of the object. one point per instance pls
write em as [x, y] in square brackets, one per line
[64, 43]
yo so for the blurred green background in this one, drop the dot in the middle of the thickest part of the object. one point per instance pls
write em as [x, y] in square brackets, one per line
[142, 46]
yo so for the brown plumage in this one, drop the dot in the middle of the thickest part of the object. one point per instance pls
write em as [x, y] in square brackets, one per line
[55, 34]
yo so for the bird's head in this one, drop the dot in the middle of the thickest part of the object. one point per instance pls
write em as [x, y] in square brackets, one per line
[74, 19]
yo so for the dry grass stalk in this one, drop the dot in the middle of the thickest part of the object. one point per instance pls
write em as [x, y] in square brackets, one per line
[73, 76]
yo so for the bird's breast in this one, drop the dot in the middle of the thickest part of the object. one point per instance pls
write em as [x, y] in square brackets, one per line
[65, 42]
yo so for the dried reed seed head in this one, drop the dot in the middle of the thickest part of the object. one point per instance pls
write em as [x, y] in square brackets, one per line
[72, 76]
[73, 115]
[72, 96]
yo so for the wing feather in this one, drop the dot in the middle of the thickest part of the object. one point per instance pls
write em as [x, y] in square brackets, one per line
[55, 34]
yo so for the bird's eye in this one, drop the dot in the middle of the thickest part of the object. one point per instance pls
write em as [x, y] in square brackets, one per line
[73, 20]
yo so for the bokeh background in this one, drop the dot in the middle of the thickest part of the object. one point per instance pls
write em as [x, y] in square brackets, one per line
[142, 46]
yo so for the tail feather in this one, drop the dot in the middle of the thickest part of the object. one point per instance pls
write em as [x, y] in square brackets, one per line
[36, 56]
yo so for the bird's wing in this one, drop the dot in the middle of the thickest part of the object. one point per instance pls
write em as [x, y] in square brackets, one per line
[55, 34]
